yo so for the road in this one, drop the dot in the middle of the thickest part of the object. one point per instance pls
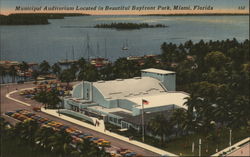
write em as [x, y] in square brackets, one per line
[10, 105]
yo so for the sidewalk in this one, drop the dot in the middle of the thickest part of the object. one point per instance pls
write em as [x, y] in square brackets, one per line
[101, 129]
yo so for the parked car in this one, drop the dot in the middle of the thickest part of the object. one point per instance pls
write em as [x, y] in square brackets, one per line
[131, 154]
[93, 139]
[36, 109]
[9, 113]
[104, 143]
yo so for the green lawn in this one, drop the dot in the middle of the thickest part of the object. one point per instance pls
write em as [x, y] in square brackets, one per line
[183, 144]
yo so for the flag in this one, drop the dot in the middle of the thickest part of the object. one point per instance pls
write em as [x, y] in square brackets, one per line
[145, 102]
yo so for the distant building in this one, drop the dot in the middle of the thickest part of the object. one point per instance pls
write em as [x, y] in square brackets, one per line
[120, 101]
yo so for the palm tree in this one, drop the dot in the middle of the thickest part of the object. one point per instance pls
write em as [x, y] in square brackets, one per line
[26, 131]
[193, 104]
[56, 69]
[24, 67]
[81, 63]
[43, 137]
[60, 143]
[74, 68]
[53, 99]
[42, 98]
[66, 76]
[2, 73]
[35, 75]
[239, 113]
[4, 125]
[160, 126]
[178, 118]
[89, 73]
[44, 67]
[103, 153]
[13, 73]
[85, 149]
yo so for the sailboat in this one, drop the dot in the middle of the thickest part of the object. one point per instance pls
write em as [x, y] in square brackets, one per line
[125, 47]
[67, 61]
[100, 61]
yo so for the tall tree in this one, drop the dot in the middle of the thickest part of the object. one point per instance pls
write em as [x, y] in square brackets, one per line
[160, 126]
[35, 74]
[44, 68]
[56, 69]
[178, 118]
[61, 143]
[2, 73]
[67, 76]
[24, 67]
[43, 136]
[53, 99]
[42, 98]
[90, 73]
[13, 73]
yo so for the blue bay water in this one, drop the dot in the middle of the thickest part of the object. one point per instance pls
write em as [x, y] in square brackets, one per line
[52, 42]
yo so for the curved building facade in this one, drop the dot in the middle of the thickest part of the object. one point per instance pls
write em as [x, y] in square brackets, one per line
[121, 101]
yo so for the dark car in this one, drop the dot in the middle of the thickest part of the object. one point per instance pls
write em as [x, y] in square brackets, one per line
[9, 113]
[131, 154]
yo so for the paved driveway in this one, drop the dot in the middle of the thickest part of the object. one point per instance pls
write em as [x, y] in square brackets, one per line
[10, 105]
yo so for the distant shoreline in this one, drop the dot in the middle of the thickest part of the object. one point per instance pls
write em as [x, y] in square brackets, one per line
[42, 18]
[33, 19]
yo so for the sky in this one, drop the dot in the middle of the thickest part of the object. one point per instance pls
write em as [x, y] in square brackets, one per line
[8, 6]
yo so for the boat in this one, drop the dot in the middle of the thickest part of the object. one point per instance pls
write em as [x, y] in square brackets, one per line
[125, 46]
[66, 62]
[99, 62]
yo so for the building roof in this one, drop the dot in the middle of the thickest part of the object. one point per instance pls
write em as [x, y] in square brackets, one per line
[126, 88]
[158, 71]
[162, 99]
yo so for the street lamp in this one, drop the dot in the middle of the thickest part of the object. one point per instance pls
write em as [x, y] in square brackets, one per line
[142, 119]
[199, 147]
[230, 137]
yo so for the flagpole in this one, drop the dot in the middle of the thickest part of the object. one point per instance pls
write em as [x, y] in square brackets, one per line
[142, 122]
[230, 137]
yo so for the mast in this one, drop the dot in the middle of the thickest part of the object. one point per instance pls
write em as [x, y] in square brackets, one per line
[66, 57]
[88, 47]
[105, 49]
[98, 50]
[73, 53]
[125, 46]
